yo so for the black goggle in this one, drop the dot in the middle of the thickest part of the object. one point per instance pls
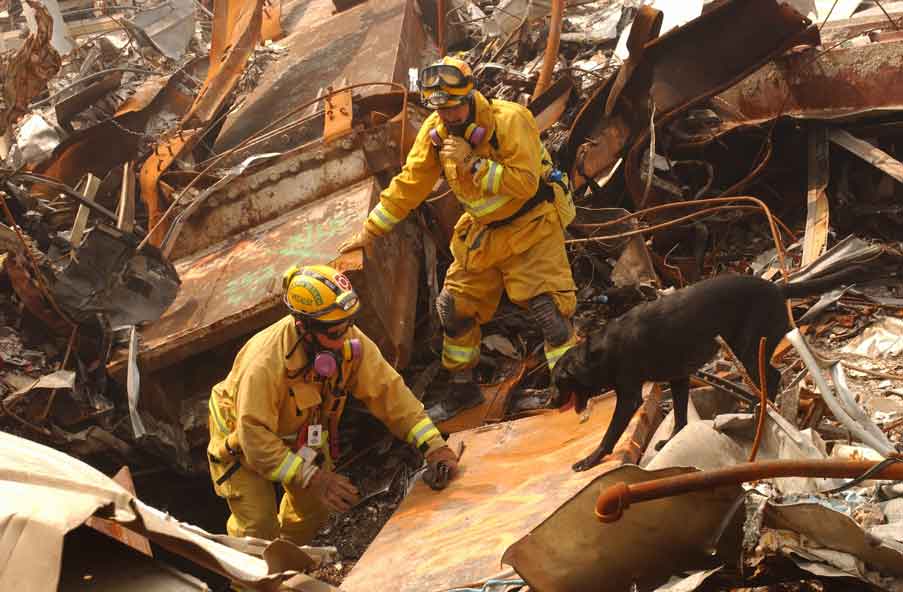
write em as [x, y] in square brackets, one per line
[442, 75]
[331, 331]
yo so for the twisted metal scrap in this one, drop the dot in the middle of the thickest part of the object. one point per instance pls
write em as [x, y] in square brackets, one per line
[25, 73]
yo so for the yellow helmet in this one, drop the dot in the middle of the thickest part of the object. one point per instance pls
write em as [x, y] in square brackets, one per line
[319, 293]
[446, 83]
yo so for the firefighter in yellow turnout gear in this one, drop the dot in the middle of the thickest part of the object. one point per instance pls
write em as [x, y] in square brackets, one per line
[274, 418]
[511, 234]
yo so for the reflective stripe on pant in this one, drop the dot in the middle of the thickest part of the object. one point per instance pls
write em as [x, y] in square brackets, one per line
[553, 354]
[525, 259]
[462, 351]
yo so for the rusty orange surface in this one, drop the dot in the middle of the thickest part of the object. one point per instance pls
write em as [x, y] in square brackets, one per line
[164, 154]
[513, 475]
[271, 23]
[239, 32]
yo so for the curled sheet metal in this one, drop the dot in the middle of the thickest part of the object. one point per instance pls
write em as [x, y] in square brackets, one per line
[829, 543]
[843, 82]
[108, 277]
[569, 553]
[47, 493]
[154, 102]
[159, 161]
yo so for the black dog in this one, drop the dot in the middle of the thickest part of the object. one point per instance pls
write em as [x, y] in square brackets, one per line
[670, 338]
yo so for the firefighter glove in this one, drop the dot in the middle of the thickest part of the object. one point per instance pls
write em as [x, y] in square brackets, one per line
[458, 151]
[334, 491]
[359, 241]
[442, 467]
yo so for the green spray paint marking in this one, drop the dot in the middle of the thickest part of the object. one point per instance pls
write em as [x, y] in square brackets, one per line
[308, 245]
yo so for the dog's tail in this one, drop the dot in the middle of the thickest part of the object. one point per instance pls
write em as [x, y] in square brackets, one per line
[829, 281]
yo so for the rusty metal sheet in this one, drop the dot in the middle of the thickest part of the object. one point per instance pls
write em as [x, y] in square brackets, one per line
[513, 475]
[678, 70]
[26, 72]
[117, 531]
[375, 41]
[842, 82]
[271, 23]
[225, 287]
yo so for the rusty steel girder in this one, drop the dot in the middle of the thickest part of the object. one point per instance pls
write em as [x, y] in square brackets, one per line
[842, 82]
[674, 72]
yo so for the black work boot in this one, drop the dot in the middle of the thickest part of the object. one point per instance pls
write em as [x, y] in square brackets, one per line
[463, 393]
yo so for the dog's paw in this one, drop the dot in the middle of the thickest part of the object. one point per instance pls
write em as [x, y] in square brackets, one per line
[587, 463]
[661, 443]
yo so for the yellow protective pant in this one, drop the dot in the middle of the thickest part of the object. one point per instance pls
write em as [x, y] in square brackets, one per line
[525, 258]
[252, 501]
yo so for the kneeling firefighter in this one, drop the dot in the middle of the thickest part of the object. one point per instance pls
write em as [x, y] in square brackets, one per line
[274, 419]
[511, 235]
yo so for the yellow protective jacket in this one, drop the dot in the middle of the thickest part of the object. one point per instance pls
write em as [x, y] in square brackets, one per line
[509, 173]
[269, 397]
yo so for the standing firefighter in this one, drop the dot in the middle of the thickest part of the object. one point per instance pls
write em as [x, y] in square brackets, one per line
[511, 234]
[275, 416]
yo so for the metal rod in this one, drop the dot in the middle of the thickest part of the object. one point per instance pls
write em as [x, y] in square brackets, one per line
[550, 57]
[763, 402]
[615, 499]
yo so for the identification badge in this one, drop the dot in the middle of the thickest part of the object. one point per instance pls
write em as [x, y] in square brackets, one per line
[315, 435]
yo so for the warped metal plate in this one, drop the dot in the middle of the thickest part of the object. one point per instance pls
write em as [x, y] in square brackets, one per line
[573, 552]
[513, 475]
[843, 82]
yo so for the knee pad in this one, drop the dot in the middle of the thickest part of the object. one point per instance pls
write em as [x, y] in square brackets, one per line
[452, 324]
[555, 328]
